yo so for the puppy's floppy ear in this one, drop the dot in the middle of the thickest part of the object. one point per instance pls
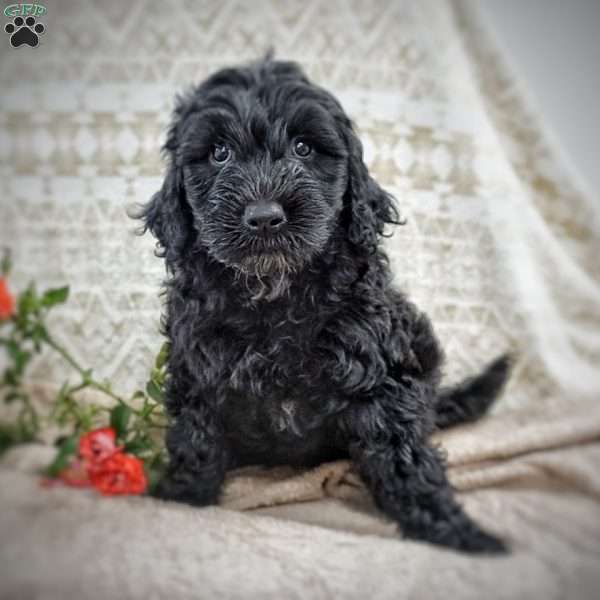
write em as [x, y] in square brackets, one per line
[368, 208]
[167, 214]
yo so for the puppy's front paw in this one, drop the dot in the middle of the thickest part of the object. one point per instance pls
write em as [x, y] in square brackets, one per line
[185, 491]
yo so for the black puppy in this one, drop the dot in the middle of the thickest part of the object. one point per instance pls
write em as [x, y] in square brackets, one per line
[288, 343]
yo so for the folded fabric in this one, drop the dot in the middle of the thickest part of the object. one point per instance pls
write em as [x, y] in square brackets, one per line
[316, 533]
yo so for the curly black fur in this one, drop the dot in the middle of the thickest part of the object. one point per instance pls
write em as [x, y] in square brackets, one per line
[293, 347]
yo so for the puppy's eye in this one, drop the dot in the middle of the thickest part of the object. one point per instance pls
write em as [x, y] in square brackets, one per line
[302, 148]
[220, 153]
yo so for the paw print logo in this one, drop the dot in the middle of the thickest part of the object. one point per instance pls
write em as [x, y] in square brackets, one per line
[24, 31]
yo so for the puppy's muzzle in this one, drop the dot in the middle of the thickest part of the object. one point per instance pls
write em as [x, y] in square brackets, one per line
[264, 217]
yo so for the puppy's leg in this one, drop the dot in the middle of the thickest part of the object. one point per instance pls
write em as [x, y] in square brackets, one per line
[197, 459]
[408, 479]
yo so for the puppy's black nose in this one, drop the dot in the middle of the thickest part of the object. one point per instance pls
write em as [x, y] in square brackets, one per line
[264, 217]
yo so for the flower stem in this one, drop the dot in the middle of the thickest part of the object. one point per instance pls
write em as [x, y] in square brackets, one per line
[85, 374]
[65, 354]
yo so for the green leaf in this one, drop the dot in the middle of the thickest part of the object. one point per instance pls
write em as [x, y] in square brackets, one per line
[27, 302]
[39, 333]
[139, 446]
[147, 409]
[162, 356]
[10, 378]
[12, 348]
[62, 393]
[154, 392]
[12, 434]
[12, 396]
[67, 449]
[154, 473]
[20, 357]
[55, 296]
[119, 419]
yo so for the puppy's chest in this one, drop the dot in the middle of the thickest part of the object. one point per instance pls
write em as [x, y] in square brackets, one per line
[273, 368]
[274, 389]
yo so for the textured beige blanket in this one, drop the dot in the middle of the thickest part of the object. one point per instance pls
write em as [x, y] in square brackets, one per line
[533, 479]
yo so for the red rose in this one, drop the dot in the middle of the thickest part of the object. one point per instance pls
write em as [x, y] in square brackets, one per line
[7, 302]
[118, 474]
[103, 465]
[97, 445]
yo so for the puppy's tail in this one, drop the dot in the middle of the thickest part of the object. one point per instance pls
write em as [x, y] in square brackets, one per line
[472, 398]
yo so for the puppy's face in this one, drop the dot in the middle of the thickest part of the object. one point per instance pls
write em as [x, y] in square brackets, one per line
[264, 169]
